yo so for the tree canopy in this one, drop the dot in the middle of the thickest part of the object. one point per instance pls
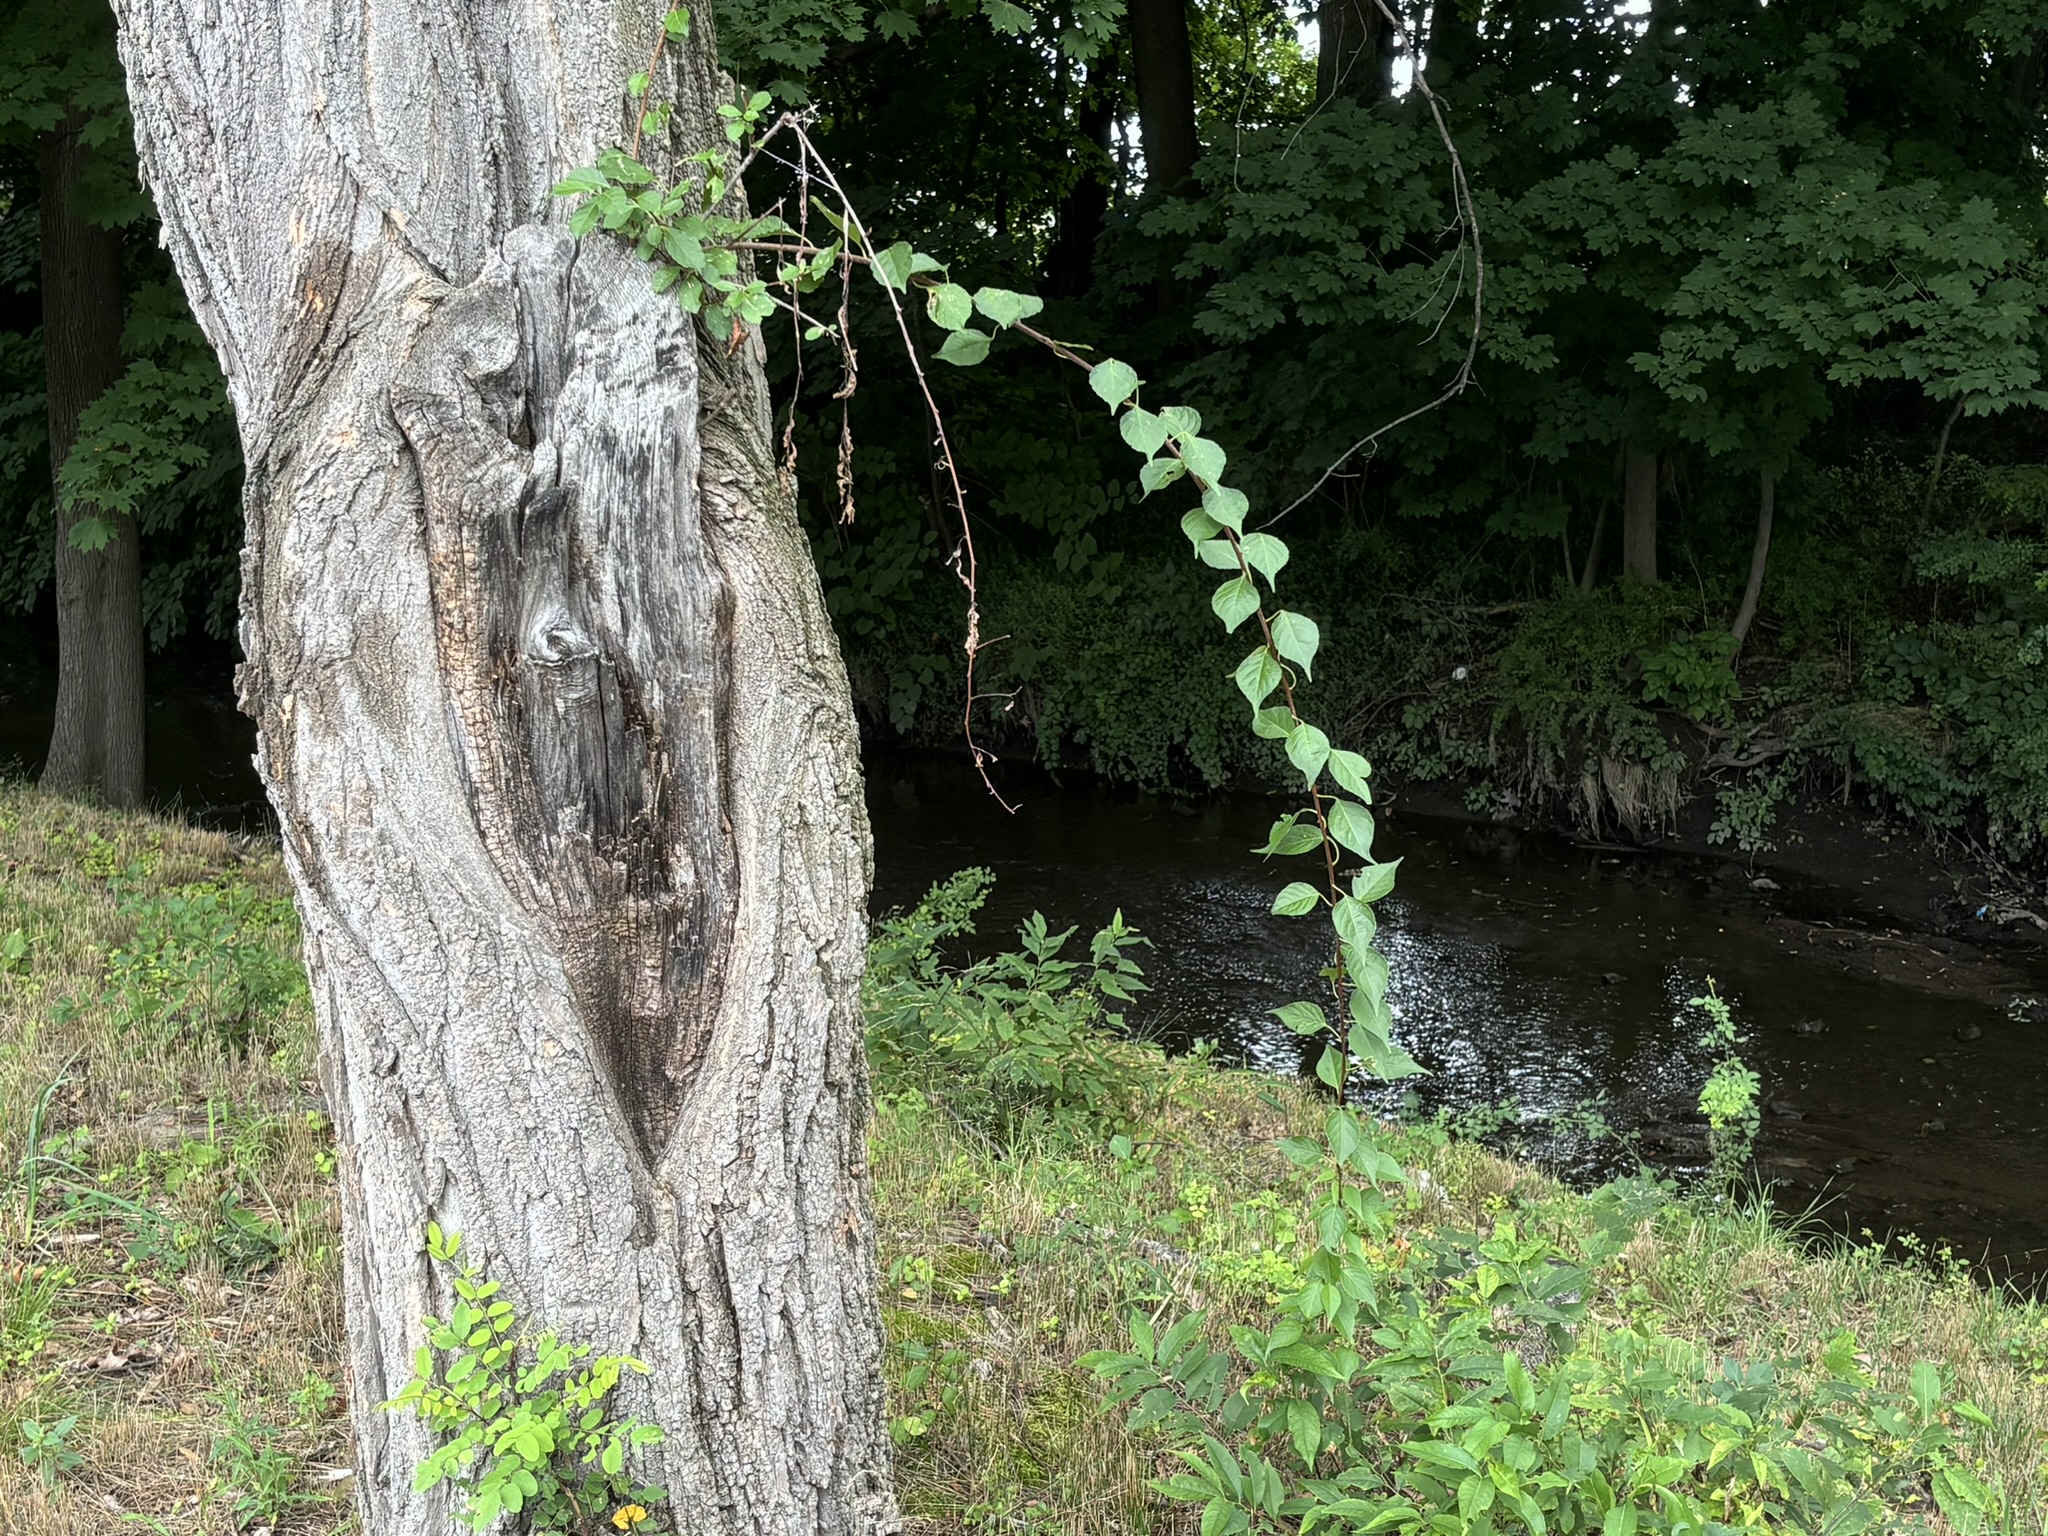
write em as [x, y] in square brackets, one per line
[1731, 240]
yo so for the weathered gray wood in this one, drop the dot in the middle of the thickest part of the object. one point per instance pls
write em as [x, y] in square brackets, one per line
[555, 726]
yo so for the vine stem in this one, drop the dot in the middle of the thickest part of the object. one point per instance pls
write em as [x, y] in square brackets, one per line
[965, 562]
[1333, 883]
[653, 63]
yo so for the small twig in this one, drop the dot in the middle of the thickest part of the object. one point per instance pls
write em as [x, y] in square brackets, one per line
[640, 106]
[964, 561]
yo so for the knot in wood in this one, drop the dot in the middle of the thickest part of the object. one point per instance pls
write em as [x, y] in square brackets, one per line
[557, 641]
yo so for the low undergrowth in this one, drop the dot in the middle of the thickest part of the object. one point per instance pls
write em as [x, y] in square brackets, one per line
[1894, 667]
[169, 1290]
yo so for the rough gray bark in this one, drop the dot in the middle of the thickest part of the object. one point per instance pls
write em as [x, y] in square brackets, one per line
[96, 739]
[1639, 516]
[555, 726]
[1759, 559]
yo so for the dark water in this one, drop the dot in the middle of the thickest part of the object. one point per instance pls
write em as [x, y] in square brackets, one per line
[196, 744]
[1528, 972]
[1548, 977]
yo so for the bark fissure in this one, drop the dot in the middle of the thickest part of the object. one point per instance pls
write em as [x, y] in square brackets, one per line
[589, 711]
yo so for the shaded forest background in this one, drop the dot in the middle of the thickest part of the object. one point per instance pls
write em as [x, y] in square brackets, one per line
[1747, 497]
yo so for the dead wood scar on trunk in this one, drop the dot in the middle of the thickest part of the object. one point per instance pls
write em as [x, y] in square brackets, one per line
[591, 784]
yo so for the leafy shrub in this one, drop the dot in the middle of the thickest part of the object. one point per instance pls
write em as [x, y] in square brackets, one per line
[258, 1476]
[1024, 1034]
[46, 1449]
[1694, 675]
[1564, 679]
[1745, 812]
[1729, 1097]
[515, 1435]
[1455, 1383]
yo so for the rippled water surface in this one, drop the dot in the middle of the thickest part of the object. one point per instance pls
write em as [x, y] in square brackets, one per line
[1547, 977]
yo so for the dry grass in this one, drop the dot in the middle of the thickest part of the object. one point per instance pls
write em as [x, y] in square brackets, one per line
[165, 1327]
[142, 1319]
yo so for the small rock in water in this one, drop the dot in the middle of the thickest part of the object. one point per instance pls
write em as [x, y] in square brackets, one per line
[1785, 1109]
[1970, 1032]
[1610, 978]
[1810, 1027]
[1933, 1127]
[1845, 1165]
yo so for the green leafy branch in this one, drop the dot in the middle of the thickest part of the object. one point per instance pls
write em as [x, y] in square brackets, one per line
[534, 1437]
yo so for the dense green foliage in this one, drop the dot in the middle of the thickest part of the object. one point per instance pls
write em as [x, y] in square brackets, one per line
[1021, 1036]
[160, 444]
[522, 1418]
[1787, 240]
[1803, 241]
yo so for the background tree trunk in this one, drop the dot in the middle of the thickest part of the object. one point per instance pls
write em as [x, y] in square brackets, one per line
[1639, 516]
[96, 743]
[1759, 559]
[1070, 264]
[1350, 63]
[1163, 63]
[555, 726]
[1592, 568]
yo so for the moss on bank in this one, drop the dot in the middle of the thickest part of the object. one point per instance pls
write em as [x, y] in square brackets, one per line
[168, 1273]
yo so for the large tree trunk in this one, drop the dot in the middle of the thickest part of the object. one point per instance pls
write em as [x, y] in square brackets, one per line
[1163, 64]
[1639, 516]
[96, 744]
[556, 729]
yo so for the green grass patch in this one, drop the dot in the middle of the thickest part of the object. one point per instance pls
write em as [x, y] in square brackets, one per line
[170, 1318]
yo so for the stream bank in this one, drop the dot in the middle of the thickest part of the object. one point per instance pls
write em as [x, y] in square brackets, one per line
[1545, 985]
[1897, 1023]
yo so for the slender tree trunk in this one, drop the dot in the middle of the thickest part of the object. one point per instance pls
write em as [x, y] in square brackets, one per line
[1592, 569]
[1163, 61]
[1350, 63]
[556, 729]
[1940, 457]
[96, 745]
[1639, 516]
[1070, 264]
[1759, 558]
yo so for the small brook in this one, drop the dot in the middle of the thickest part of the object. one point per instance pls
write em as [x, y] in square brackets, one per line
[1542, 983]
[1549, 981]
